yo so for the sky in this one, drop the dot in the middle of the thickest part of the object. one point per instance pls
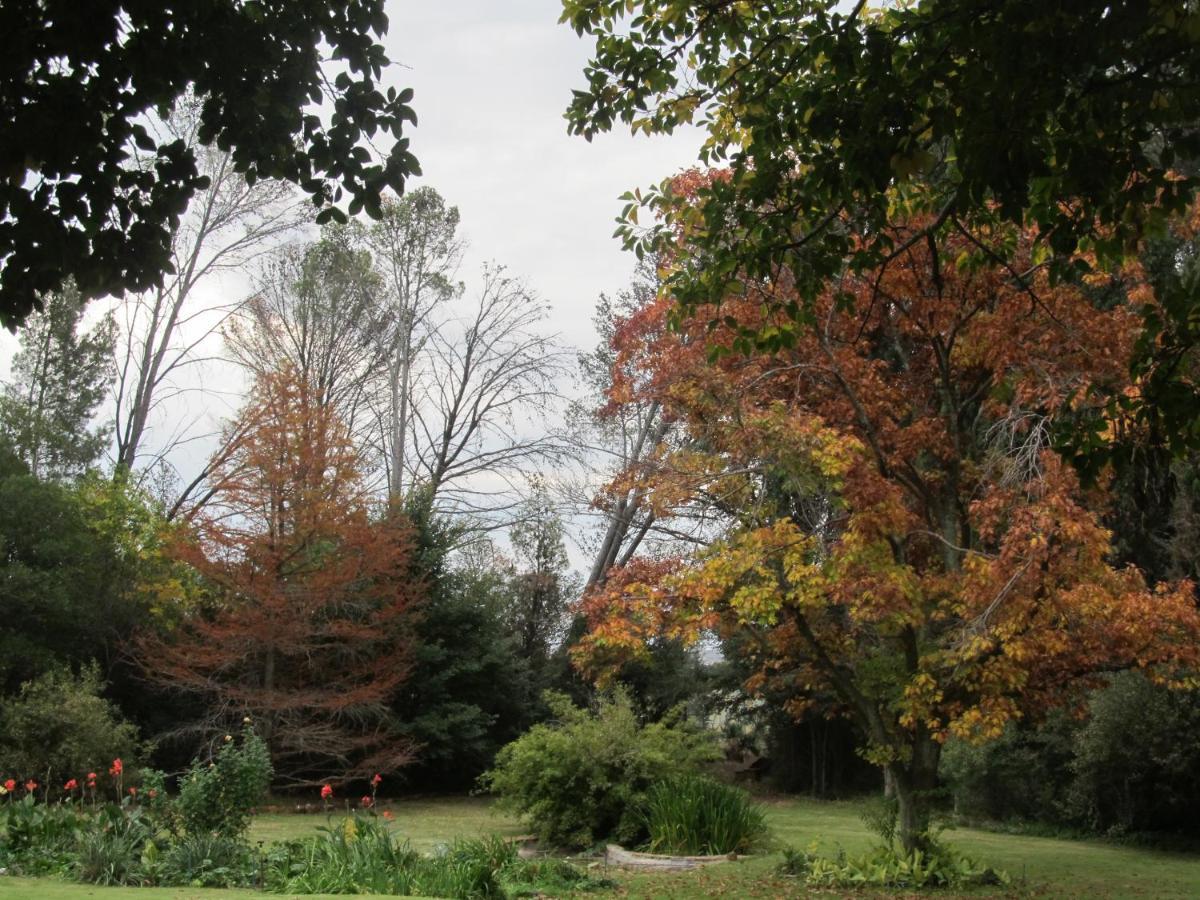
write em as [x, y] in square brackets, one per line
[491, 80]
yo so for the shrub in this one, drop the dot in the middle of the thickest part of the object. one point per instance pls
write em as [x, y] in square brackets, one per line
[61, 725]
[218, 797]
[360, 855]
[584, 777]
[36, 838]
[696, 815]
[109, 849]
[208, 860]
[1128, 767]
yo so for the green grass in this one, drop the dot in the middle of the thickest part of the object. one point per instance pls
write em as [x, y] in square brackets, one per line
[1049, 867]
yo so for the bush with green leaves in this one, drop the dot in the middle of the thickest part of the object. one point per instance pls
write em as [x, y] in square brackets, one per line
[694, 815]
[1128, 766]
[109, 848]
[219, 796]
[583, 777]
[207, 860]
[60, 726]
[39, 838]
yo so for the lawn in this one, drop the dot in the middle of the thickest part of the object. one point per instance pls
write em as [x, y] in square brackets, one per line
[1044, 867]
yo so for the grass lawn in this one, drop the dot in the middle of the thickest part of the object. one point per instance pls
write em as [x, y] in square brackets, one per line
[1043, 867]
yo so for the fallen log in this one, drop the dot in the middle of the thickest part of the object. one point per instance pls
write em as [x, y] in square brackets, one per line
[615, 855]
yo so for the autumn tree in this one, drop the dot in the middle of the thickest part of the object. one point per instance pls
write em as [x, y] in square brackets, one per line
[899, 542]
[305, 629]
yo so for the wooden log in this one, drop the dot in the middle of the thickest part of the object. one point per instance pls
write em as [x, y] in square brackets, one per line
[615, 855]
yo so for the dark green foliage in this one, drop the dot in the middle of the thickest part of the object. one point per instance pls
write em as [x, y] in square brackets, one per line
[583, 777]
[109, 848]
[694, 815]
[1130, 766]
[59, 376]
[206, 860]
[464, 698]
[38, 838]
[60, 727]
[89, 192]
[821, 108]
[217, 796]
[63, 584]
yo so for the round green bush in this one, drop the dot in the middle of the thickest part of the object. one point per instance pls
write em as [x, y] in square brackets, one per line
[583, 778]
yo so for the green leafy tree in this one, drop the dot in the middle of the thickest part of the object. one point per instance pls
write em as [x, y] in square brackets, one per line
[464, 698]
[60, 726]
[822, 109]
[81, 567]
[59, 377]
[88, 191]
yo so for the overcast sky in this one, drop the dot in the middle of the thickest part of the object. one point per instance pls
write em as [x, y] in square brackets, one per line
[492, 79]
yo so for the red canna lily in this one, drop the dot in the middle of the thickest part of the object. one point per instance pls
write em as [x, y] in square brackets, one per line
[326, 792]
[71, 785]
[132, 791]
[368, 801]
[375, 781]
[10, 785]
[116, 768]
[31, 785]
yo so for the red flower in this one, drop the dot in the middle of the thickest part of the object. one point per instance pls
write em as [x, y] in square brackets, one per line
[71, 785]
[326, 792]
[367, 801]
[91, 776]
[152, 793]
[10, 785]
[375, 781]
[31, 785]
[132, 791]
[387, 814]
[116, 768]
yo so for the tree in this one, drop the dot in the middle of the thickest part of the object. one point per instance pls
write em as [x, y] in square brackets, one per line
[541, 582]
[230, 223]
[417, 253]
[489, 377]
[614, 435]
[81, 567]
[822, 110]
[60, 375]
[900, 544]
[314, 311]
[89, 192]
[307, 627]
[468, 691]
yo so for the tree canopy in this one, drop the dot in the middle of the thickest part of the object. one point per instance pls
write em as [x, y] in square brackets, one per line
[1073, 117]
[86, 187]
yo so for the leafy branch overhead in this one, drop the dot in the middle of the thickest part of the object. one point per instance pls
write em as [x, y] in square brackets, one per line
[1070, 117]
[87, 191]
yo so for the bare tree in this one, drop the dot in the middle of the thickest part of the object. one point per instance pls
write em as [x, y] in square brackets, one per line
[417, 253]
[161, 331]
[483, 400]
[315, 309]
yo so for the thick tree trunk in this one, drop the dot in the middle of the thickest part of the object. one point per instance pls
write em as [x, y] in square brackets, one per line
[913, 786]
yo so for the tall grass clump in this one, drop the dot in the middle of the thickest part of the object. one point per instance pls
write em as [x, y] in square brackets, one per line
[693, 815]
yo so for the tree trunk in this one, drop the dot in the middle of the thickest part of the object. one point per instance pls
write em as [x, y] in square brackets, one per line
[914, 785]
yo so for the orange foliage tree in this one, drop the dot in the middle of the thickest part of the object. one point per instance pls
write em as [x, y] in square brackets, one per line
[894, 529]
[306, 627]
